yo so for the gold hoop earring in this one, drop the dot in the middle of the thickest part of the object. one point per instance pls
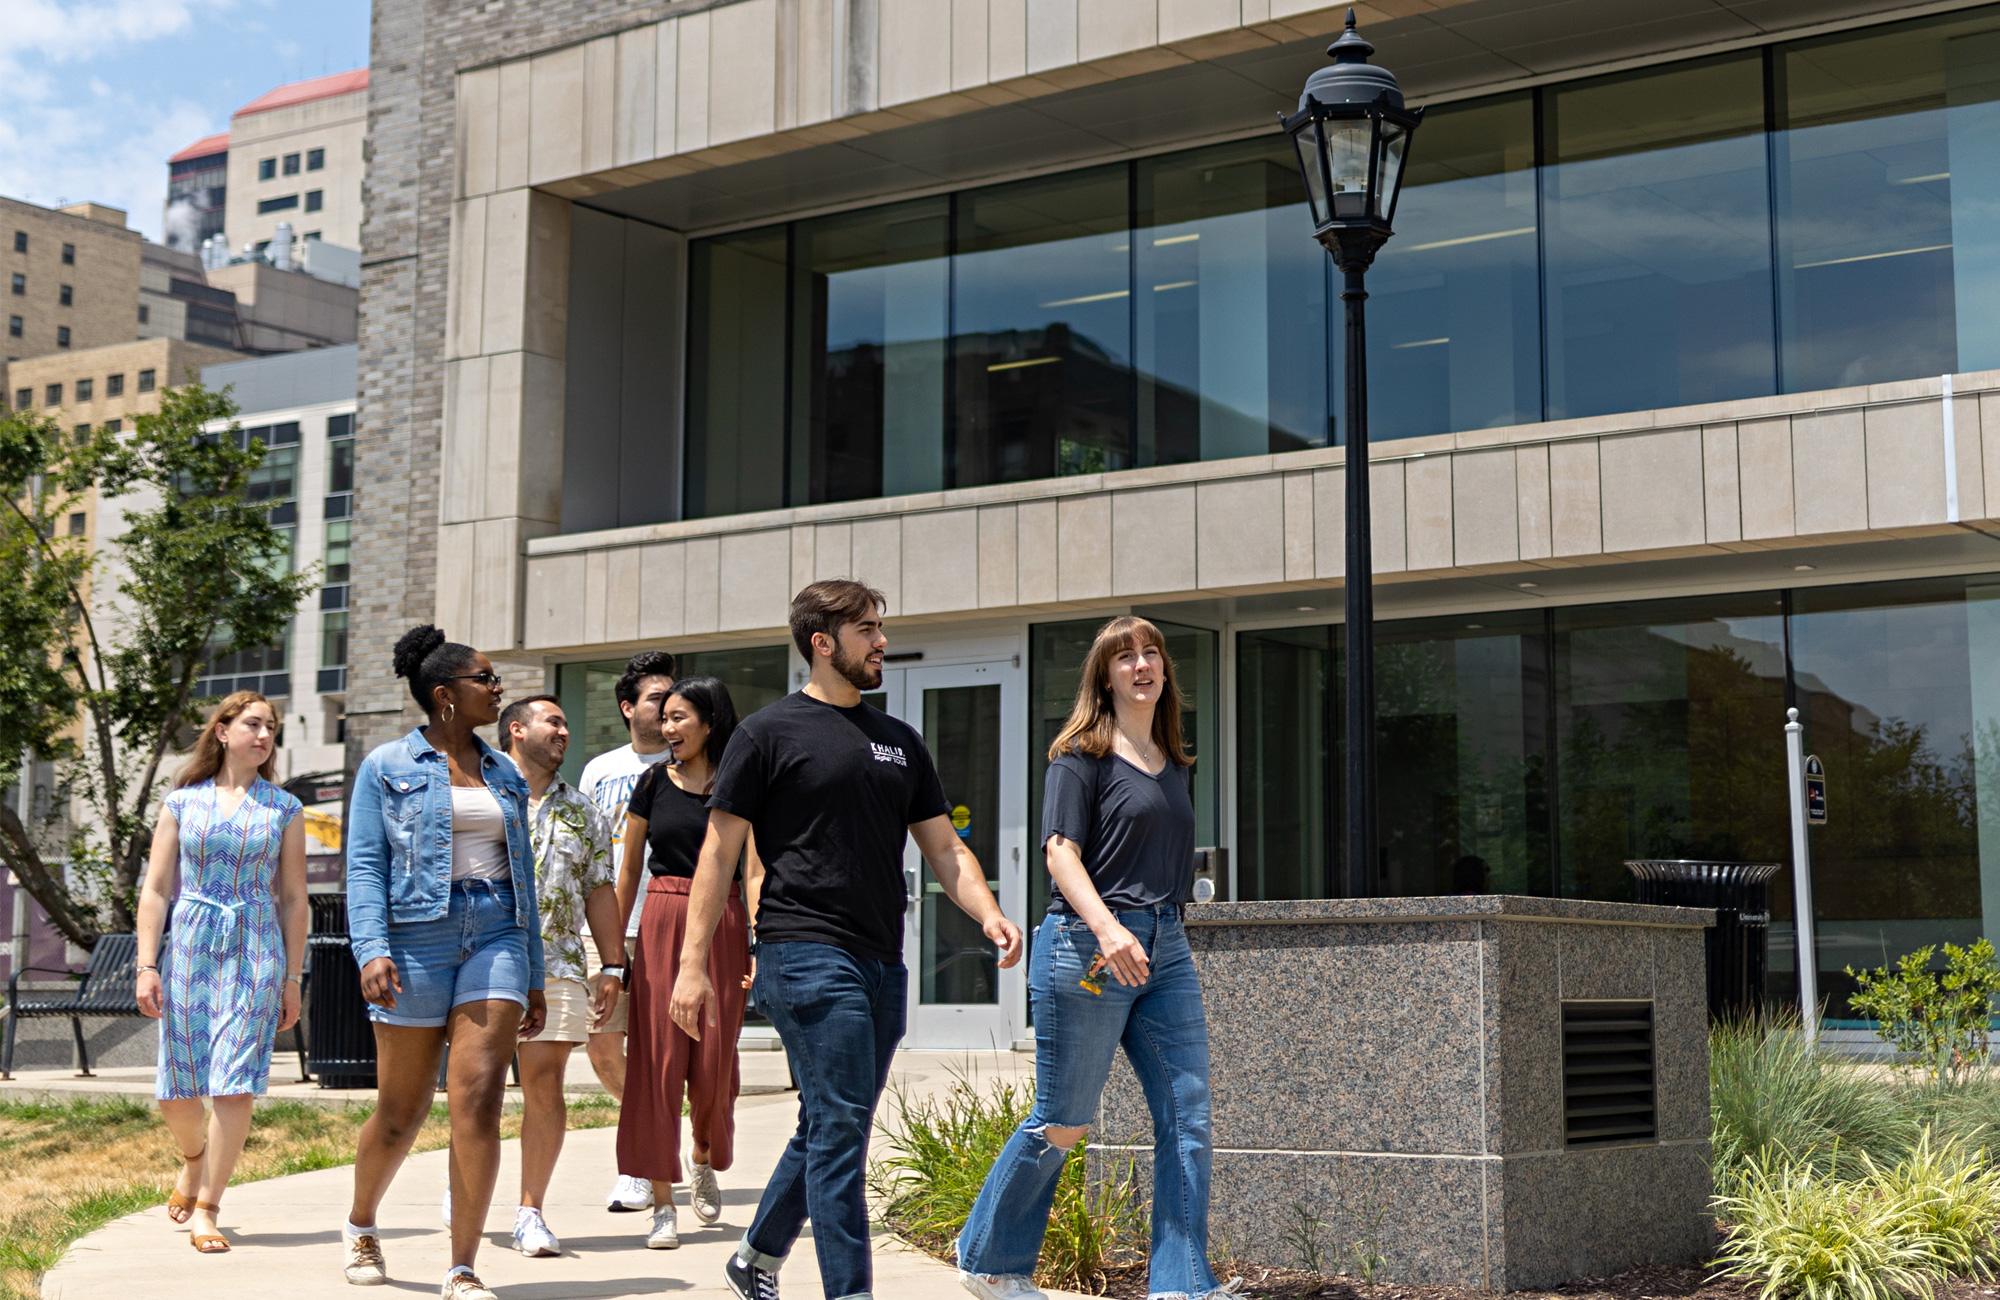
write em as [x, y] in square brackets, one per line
[450, 710]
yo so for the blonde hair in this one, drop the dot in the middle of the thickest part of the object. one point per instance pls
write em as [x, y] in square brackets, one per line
[206, 759]
[1092, 721]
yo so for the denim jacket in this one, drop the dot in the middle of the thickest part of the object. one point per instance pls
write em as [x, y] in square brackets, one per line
[399, 844]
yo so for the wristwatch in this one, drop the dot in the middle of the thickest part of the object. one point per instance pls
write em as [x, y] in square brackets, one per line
[616, 972]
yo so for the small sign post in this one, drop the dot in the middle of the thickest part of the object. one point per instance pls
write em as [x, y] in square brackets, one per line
[1802, 906]
[1815, 791]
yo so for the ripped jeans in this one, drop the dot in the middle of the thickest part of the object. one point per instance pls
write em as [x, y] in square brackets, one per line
[1165, 1036]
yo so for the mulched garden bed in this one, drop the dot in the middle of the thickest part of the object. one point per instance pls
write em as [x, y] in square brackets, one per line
[1651, 1283]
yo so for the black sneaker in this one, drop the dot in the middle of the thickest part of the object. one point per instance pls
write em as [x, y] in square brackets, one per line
[750, 1282]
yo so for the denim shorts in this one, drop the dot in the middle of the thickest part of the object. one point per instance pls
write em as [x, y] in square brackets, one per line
[473, 953]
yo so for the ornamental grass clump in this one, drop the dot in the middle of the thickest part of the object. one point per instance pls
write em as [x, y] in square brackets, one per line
[1796, 1233]
[1954, 1197]
[940, 1150]
[1771, 1095]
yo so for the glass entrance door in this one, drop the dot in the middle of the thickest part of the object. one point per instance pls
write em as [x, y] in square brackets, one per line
[971, 718]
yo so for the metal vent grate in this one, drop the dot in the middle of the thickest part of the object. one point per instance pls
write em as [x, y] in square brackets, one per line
[1608, 1073]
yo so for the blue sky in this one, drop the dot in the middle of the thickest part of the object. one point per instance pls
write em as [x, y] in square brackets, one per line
[99, 93]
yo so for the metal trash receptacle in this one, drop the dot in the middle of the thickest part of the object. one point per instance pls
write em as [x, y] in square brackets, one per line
[1739, 941]
[340, 1041]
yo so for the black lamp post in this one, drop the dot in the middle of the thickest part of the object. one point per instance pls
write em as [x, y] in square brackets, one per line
[1352, 134]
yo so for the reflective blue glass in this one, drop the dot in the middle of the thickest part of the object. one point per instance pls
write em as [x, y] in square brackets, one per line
[1042, 328]
[1889, 202]
[736, 374]
[1454, 302]
[1657, 237]
[1231, 306]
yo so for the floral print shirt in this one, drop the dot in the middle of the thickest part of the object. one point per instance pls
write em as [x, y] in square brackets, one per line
[572, 842]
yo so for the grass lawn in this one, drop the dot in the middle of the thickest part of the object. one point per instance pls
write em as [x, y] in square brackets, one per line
[68, 1168]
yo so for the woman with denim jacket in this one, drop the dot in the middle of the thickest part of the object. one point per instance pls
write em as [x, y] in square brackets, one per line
[1111, 967]
[441, 914]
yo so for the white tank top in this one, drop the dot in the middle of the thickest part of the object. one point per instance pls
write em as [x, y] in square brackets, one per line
[478, 835]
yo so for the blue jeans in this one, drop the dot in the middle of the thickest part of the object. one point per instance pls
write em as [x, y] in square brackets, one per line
[1165, 1036]
[840, 1017]
[476, 952]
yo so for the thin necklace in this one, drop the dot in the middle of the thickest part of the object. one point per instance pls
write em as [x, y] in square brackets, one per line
[1146, 753]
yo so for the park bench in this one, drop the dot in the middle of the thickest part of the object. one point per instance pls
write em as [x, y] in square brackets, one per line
[108, 989]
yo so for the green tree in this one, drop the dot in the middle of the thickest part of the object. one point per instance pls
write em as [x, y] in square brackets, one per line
[103, 686]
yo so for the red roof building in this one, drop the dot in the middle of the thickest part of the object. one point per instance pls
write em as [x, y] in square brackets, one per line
[304, 92]
[208, 146]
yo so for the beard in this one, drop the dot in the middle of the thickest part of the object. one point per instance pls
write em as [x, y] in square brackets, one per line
[860, 674]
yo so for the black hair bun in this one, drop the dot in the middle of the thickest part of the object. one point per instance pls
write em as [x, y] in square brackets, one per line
[413, 647]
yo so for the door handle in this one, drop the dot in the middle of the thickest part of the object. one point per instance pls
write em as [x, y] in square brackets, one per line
[913, 881]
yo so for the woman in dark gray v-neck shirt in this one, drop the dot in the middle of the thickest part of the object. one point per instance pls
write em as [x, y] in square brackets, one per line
[1111, 966]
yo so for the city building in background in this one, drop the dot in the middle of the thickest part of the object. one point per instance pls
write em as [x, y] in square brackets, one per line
[197, 189]
[300, 406]
[295, 157]
[69, 277]
[1685, 395]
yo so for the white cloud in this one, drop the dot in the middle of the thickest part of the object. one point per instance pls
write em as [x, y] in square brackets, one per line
[109, 148]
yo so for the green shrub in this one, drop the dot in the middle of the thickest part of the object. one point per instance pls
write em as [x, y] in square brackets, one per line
[940, 1151]
[1954, 1198]
[1796, 1232]
[1772, 1095]
[1939, 1021]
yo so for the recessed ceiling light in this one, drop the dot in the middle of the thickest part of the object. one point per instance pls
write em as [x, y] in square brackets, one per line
[1475, 627]
[1527, 586]
[1305, 609]
[1804, 568]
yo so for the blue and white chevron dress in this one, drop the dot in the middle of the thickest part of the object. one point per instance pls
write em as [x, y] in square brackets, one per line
[225, 967]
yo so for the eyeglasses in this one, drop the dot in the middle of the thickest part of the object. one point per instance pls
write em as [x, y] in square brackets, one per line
[487, 679]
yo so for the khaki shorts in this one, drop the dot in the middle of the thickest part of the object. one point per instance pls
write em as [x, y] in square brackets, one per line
[615, 1022]
[569, 1012]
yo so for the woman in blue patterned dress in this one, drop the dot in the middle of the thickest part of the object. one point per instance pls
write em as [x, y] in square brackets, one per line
[232, 846]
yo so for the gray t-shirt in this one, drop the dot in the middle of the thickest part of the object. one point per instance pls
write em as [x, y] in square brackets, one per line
[1136, 831]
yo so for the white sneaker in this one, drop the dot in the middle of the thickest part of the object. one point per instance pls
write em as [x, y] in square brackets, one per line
[1007, 1286]
[464, 1286]
[705, 1194]
[364, 1265]
[666, 1234]
[531, 1234]
[629, 1194]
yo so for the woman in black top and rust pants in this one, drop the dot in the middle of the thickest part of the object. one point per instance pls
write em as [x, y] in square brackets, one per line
[669, 814]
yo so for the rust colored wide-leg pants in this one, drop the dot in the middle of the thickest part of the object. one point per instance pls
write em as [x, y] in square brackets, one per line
[661, 1062]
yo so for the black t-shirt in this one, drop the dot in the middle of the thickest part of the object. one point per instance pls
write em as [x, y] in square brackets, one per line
[676, 821]
[829, 794]
[1135, 831]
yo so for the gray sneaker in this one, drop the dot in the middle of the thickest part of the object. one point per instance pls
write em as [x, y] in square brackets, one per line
[1000, 1286]
[705, 1194]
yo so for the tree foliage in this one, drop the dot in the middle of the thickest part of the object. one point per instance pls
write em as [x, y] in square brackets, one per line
[107, 637]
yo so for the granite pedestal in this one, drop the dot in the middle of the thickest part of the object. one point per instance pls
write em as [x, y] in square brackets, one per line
[1389, 1075]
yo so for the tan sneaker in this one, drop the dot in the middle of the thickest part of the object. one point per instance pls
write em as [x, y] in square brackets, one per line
[705, 1193]
[364, 1261]
[465, 1286]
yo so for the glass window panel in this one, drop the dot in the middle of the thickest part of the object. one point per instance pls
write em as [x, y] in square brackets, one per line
[1286, 730]
[340, 465]
[1042, 328]
[1888, 179]
[1454, 301]
[333, 640]
[339, 534]
[1669, 735]
[755, 676]
[736, 374]
[1232, 306]
[1886, 693]
[1658, 239]
[870, 302]
[1462, 755]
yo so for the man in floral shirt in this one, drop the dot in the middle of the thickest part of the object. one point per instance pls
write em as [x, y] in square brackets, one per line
[573, 882]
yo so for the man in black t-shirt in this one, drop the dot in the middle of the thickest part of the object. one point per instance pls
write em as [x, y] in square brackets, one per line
[830, 786]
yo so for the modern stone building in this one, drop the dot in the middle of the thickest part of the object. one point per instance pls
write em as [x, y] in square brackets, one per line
[1685, 381]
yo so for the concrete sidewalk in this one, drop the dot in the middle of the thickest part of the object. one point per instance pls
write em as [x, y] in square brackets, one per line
[286, 1231]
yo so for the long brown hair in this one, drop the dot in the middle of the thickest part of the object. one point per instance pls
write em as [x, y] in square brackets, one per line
[1092, 720]
[206, 759]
